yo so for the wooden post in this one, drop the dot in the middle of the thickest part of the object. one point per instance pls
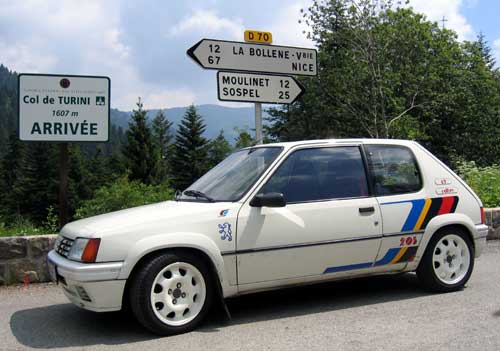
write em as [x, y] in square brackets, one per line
[63, 183]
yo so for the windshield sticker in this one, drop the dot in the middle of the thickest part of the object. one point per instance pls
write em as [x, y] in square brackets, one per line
[225, 231]
[223, 213]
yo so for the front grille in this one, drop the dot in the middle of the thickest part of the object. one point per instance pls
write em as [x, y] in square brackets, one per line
[63, 246]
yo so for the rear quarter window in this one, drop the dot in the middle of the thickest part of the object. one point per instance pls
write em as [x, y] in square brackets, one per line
[394, 170]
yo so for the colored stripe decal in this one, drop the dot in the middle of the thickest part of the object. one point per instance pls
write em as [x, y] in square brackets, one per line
[433, 211]
[423, 210]
[416, 208]
[446, 205]
[347, 267]
[399, 255]
[409, 254]
[423, 214]
[389, 256]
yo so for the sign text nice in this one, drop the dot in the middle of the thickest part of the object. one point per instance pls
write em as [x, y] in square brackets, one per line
[278, 53]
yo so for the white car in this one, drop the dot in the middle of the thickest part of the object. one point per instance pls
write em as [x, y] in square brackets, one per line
[272, 216]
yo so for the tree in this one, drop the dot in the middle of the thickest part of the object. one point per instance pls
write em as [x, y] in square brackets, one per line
[244, 139]
[189, 160]
[140, 151]
[11, 173]
[218, 149]
[162, 138]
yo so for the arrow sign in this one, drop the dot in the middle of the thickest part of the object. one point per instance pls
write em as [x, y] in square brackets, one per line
[240, 56]
[253, 87]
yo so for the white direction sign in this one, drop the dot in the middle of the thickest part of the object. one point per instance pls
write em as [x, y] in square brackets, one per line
[63, 107]
[240, 56]
[253, 87]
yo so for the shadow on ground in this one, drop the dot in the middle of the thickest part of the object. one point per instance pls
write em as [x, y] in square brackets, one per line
[68, 326]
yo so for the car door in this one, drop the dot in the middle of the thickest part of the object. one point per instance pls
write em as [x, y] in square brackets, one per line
[330, 222]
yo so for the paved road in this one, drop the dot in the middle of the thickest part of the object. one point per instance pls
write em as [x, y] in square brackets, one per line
[381, 313]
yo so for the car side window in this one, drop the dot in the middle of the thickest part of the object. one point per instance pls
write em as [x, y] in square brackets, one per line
[320, 174]
[394, 169]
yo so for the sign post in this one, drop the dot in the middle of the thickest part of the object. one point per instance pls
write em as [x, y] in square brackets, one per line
[234, 59]
[63, 108]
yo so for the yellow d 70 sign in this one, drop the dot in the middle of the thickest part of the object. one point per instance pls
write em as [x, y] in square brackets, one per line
[256, 36]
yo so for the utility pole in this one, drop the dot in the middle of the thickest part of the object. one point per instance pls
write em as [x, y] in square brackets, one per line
[443, 20]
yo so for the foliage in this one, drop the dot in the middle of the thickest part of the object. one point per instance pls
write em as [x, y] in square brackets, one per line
[218, 149]
[485, 181]
[244, 139]
[162, 138]
[190, 150]
[140, 148]
[22, 226]
[386, 71]
[122, 194]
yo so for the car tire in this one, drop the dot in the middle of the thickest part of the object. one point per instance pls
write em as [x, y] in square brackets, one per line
[171, 293]
[448, 261]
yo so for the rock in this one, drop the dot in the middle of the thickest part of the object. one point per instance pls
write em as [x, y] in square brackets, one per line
[3, 271]
[21, 269]
[12, 247]
[40, 245]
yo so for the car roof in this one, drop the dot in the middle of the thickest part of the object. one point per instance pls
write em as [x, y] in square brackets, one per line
[290, 144]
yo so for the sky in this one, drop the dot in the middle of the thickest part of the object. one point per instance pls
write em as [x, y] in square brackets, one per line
[141, 45]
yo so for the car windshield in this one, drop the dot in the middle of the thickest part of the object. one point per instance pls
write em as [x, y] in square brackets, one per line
[233, 177]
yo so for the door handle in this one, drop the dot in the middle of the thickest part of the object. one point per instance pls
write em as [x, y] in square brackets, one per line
[370, 209]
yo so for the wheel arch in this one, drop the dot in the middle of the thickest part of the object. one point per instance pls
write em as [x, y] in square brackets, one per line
[438, 223]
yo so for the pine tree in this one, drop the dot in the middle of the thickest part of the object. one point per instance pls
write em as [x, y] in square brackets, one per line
[162, 138]
[244, 139]
[10, 175]
[139, 151]
[190, 150]
[219, 148]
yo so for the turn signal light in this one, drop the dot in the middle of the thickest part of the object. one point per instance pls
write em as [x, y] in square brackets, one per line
[483, 219]
[90, 253]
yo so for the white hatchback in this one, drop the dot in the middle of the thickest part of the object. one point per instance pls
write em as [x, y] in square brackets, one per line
[272, 216]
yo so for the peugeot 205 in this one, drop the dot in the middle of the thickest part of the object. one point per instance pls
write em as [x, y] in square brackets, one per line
[272, 216]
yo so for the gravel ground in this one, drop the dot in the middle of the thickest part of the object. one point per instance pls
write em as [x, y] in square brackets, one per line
[379, 313]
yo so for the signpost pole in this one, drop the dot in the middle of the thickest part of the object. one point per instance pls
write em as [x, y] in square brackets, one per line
[63, 183]
[258, 122]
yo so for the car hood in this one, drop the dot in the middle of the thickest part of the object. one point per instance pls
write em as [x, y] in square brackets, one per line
[163, 215]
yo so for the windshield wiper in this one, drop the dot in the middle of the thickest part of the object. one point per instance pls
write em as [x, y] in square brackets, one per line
[198, 194]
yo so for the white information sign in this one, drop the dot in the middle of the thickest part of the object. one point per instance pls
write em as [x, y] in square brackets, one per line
[63, 108]
[253, 87]
[240, 56]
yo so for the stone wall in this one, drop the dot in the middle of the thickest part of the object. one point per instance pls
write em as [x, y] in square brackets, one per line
[24, 258]
[493, 221]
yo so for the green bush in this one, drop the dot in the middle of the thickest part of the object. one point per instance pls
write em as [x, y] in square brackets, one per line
[123, 194]
[485, 181]
[22, 227]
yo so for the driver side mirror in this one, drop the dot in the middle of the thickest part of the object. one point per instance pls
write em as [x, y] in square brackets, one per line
[268, 200]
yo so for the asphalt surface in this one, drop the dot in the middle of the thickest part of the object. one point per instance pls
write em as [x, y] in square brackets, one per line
[378, 313]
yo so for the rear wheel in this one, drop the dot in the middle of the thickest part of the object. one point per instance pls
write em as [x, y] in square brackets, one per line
[448, 261]
[171, 293]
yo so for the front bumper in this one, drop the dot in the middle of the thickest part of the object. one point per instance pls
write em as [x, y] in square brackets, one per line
[480, 238]
[93, 286]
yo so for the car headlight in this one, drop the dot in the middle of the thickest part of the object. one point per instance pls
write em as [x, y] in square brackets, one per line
[84, 250]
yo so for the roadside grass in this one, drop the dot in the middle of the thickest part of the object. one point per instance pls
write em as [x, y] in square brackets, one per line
[23, 227]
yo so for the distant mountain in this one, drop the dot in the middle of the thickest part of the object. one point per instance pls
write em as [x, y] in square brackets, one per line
[216, 118]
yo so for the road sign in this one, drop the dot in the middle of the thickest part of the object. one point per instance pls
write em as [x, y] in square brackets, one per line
[253, 87]
[63, 107]
[257, 36]
[240, 56]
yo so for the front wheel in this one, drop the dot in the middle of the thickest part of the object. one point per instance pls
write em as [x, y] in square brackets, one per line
[447, 262]
[171, 293]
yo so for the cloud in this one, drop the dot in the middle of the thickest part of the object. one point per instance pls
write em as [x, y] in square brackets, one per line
[286, 28]
[208, 23]
[435, 10]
